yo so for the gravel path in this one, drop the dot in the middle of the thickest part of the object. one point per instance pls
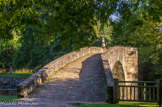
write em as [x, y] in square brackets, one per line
[80, 82]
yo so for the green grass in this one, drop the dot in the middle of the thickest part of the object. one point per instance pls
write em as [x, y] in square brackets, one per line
[16, 75]
[122, 105]
[8, 98]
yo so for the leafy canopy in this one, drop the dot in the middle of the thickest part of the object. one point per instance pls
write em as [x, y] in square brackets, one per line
[69, 18]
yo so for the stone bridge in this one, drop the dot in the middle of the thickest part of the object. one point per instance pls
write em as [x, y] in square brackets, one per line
[77, 77]
[120, 62]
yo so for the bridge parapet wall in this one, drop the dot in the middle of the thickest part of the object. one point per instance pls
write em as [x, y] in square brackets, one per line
[27, 86]
[113, 60]
[127, 56]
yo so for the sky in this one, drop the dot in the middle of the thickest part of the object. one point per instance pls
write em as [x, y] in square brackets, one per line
[114, 17]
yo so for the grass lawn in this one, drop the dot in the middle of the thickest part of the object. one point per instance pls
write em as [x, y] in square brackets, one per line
[8, 98]
[16, 75]
[122, 105]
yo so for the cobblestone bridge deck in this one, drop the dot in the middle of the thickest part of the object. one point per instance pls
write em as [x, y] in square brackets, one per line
[79, 82]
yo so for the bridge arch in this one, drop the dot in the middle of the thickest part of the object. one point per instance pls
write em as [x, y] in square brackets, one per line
[125, 57]
[118, 72]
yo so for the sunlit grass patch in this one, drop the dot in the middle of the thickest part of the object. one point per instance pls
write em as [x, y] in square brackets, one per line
[141, 104]
[16, 75]
[8, 98]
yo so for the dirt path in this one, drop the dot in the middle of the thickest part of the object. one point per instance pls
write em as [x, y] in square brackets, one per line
[77, 83]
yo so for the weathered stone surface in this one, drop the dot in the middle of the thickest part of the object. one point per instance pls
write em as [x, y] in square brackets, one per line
[8, 92]
[79, 82]
[126, 58]
[121, 63]
[9, 83]
[27, 86]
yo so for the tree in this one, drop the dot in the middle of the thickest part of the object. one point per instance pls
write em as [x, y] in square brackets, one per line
[71, 19]
[105, 31]
[7, 49]
[141, 29]
[50, 24]
[36, 50]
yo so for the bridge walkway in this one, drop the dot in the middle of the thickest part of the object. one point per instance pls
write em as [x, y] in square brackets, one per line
[78, 82]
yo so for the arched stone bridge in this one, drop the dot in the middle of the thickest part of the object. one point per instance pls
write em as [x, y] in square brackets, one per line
[77, 77]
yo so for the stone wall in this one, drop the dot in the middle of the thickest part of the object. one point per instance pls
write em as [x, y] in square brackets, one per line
[27, 86]
[8, 92]
[125, 59]
[127, 56]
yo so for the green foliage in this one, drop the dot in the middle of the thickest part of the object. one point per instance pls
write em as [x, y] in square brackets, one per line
[38, 47]
[105, 30]
[158, 67]
[141, 29]
[7, 49]
[68, 18]
[47, 29]
[34, 54]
